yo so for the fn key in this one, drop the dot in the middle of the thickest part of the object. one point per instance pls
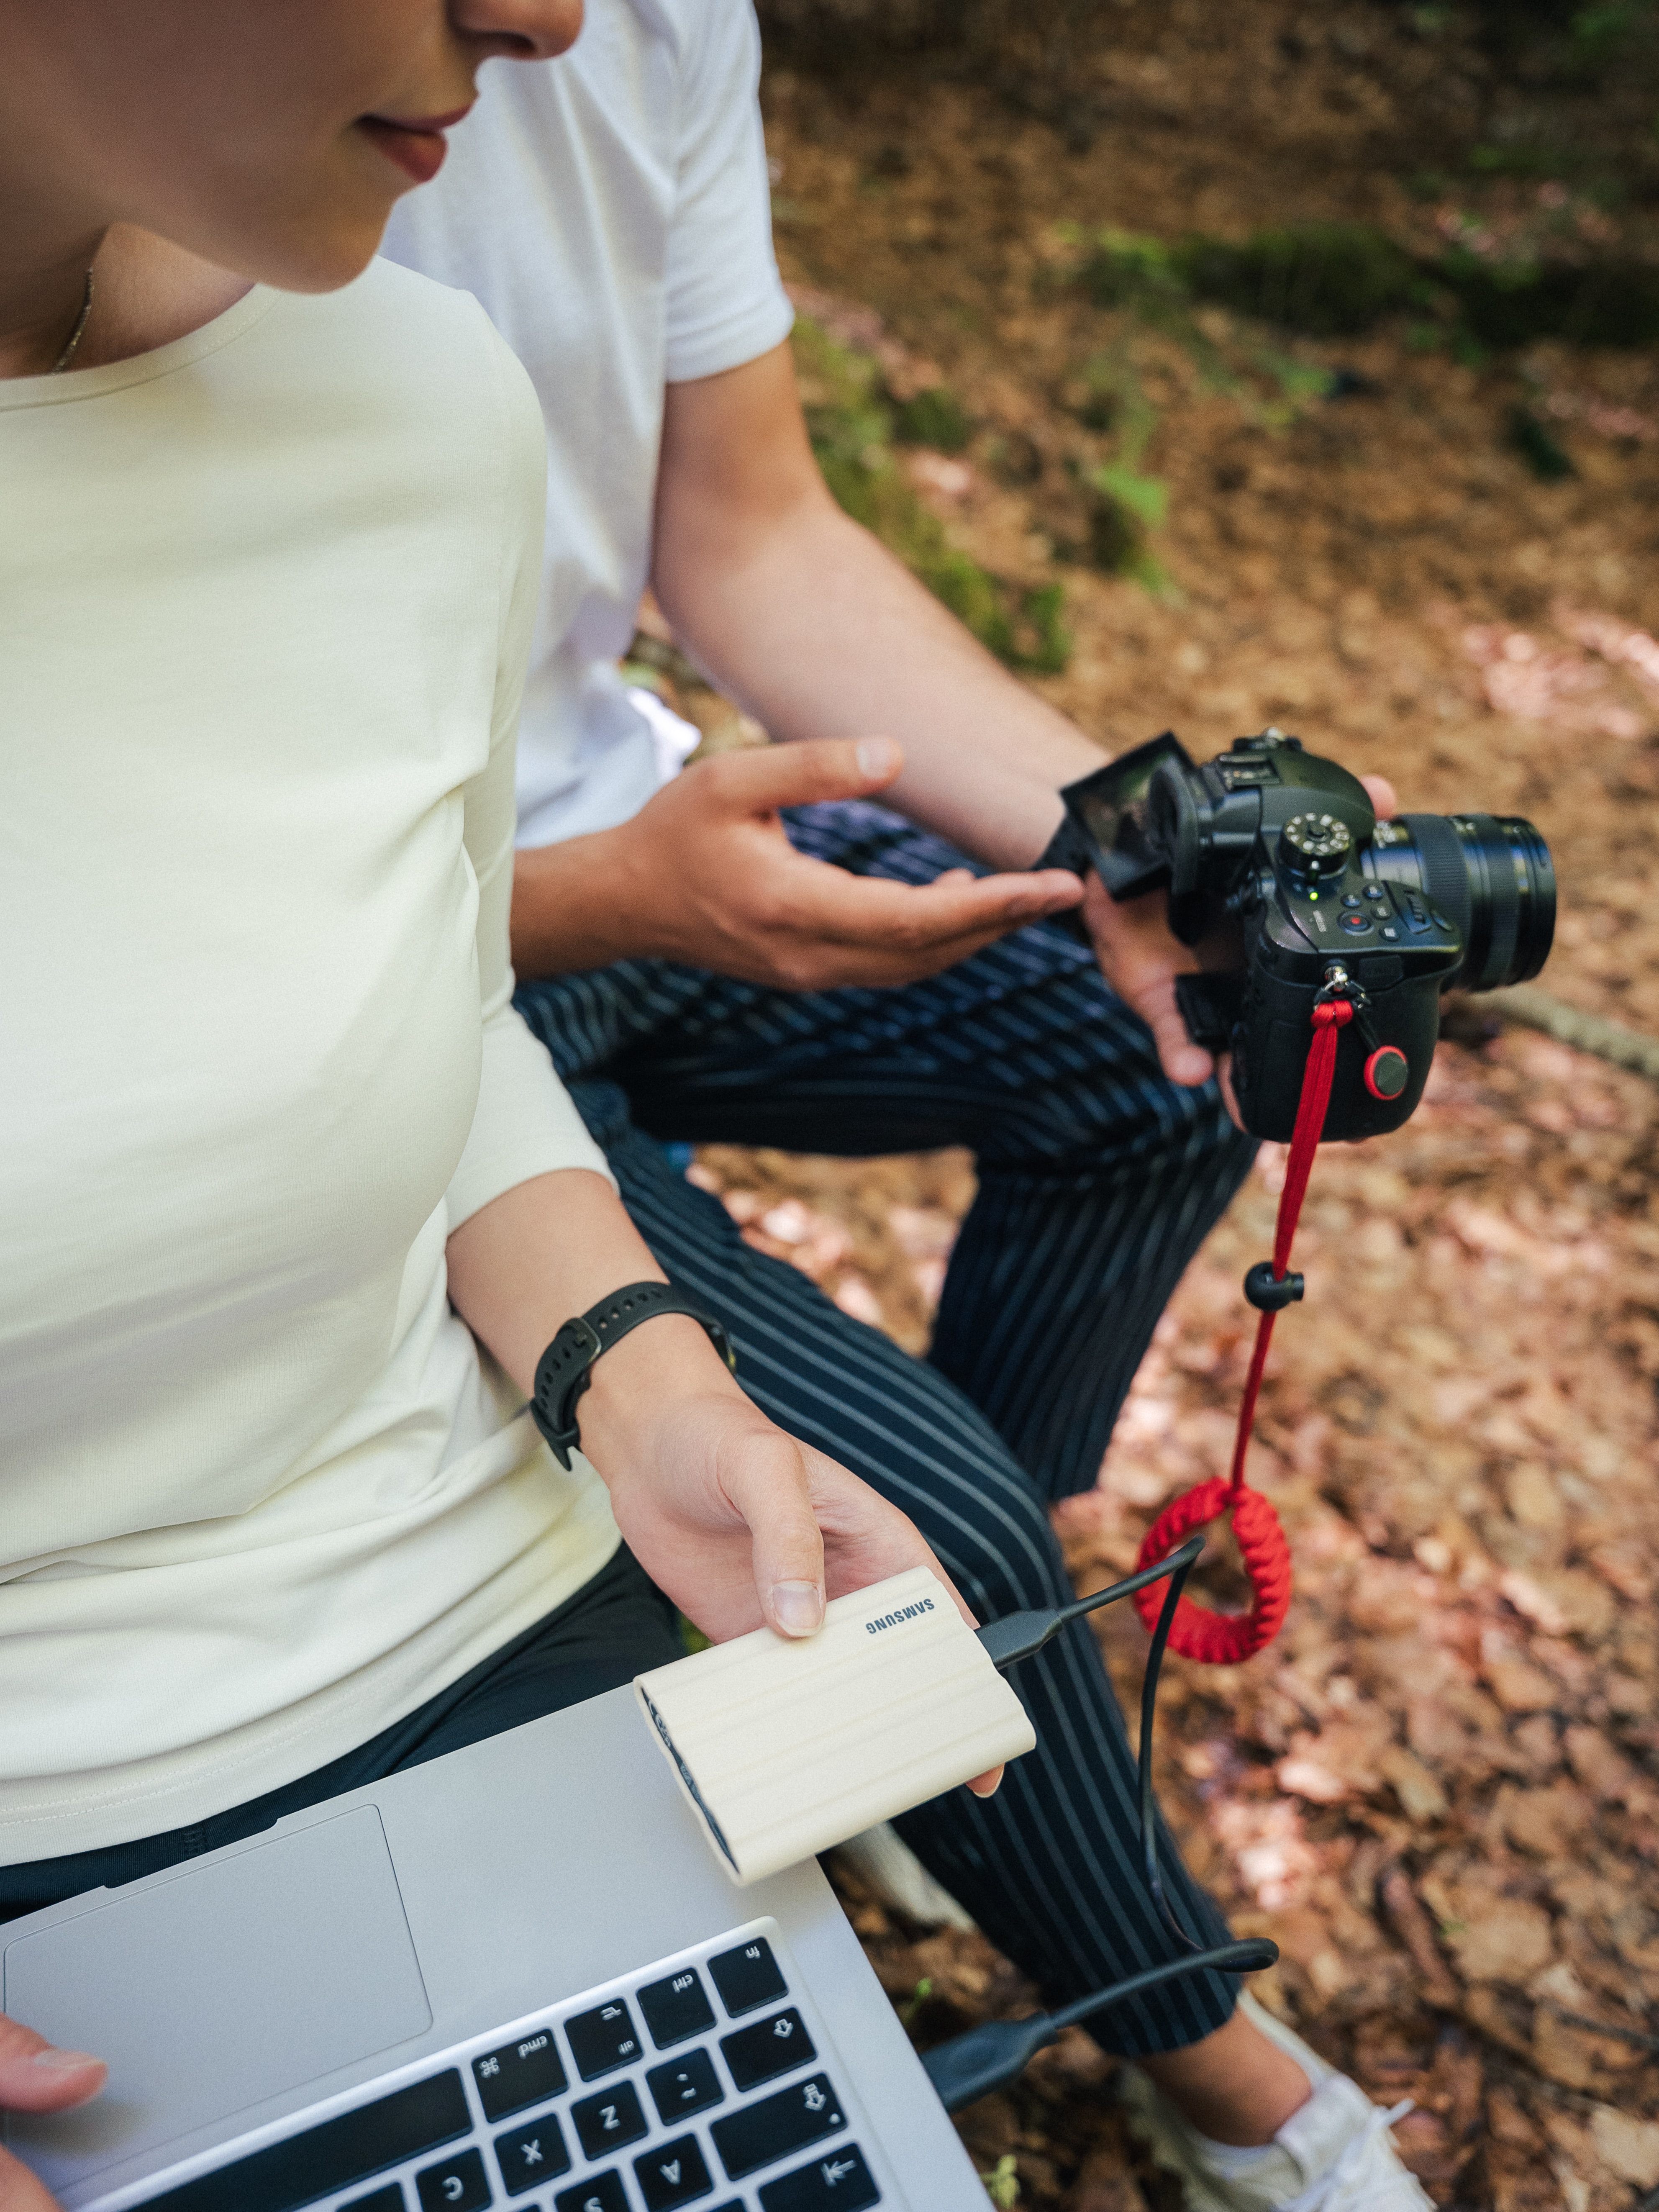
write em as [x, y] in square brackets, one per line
[839, 2182]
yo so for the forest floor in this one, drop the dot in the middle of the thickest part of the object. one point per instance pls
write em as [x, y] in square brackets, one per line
[1438, 1791]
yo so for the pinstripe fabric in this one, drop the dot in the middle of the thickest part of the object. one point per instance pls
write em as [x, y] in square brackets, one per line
[1098, 1181]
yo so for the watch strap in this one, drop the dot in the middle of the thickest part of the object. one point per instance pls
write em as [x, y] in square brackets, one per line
[563, 1371]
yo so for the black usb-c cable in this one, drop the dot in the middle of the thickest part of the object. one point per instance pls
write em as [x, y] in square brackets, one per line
[974, 2065]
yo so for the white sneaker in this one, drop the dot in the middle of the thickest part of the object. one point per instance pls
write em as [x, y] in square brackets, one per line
[1332, 2155]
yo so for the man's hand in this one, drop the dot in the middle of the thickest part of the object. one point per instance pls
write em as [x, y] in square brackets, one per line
[1140, 958]
[704, 873]
[36, 2077]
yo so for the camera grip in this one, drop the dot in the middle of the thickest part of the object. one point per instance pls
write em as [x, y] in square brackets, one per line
[1210, 1005]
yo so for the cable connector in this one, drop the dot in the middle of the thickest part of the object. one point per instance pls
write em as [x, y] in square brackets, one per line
[974, 2065]
[1016, 1635]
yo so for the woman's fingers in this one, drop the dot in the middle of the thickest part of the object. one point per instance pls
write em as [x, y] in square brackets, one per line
[20, 2191]
[36, 2076]
[765, 1479]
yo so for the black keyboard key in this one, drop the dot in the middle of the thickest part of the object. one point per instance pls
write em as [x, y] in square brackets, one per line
[671, 2175]
[603, 2040]
[841, 2182]
[788, 2121]
[748, 1976]
[528, 2072]
[685, 2085]
[676, 2007]
[768, 2048]
[531, 2154]
[608, 2121]
[457, 2183]
[389, 2199]
[288, 2175]
[600, 2192]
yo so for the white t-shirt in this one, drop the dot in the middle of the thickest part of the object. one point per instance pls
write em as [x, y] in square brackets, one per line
[264, 599]
[612, 211]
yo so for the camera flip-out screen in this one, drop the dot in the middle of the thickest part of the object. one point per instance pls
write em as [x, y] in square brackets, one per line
[1109, 807]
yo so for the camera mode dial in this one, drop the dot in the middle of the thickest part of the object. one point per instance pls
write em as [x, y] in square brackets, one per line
[1315, 845]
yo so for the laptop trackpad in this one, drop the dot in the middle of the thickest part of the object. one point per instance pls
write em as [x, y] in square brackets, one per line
[218, 1988]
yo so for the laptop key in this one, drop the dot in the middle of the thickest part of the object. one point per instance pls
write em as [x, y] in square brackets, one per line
[748, 1976]
[528, 2072]
[671, 2175]
[600, 2192]
[685, 2085]
[608, 2121]
[389, 2199]
[603, 2040]
[531, 2154]
[841, 2182]
[332, 2155]
[676, 2007]
[768, 2048]
[787, 2121]
[456, 2184]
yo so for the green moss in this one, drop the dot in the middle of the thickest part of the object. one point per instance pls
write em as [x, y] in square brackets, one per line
[1329, 279]
[1509, 304]
[934, 418]
[1336, 280]
[851, 425]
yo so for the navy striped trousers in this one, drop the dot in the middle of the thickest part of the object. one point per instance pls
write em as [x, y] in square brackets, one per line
[1097, 1180]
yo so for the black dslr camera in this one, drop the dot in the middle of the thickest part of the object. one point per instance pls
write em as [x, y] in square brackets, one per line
[1279, 869]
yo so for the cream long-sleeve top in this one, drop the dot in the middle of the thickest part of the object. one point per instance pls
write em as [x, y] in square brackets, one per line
[265, 598]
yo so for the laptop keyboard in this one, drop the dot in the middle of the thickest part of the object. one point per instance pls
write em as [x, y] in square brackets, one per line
[699, 2080]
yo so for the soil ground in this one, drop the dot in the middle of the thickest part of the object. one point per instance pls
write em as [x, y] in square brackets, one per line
[1440, 1790]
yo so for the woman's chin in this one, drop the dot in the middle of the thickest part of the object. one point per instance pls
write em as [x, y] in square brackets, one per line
[321, 255]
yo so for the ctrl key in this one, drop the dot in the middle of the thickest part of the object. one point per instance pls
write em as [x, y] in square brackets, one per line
[456, 2184]
[841, 2182]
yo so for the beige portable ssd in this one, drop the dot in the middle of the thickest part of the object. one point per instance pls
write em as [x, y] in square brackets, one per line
[784, 1746]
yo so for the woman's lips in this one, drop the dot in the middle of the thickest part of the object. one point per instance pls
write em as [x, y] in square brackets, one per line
[416, 145]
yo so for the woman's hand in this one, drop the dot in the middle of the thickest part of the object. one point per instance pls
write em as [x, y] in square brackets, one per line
[740, 1522]
[36, 2077]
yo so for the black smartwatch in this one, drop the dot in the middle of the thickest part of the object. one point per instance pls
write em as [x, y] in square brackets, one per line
[562, 1371]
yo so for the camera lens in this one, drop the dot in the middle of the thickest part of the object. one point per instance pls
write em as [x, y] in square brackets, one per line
[1491, 875]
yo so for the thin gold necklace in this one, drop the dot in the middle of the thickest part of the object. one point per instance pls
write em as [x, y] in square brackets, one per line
[77, 334]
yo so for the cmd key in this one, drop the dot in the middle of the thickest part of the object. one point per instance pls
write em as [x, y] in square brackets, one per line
[527, 2072]
[676, 2008]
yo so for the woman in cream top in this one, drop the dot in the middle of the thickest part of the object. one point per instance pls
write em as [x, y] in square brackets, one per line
[291, 1204]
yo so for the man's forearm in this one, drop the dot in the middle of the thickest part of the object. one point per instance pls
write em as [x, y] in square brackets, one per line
[804, 617]
[822, 634]
[573, 907]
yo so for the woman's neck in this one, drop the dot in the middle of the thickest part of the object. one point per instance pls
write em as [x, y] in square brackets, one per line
[145, 293]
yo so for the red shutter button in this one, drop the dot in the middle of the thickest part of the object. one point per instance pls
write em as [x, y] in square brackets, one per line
[1386, 1071]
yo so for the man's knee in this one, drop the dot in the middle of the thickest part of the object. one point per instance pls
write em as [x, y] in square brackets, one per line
[1010, 1561]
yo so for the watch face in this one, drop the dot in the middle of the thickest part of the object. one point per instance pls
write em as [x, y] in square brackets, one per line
[1109, 807]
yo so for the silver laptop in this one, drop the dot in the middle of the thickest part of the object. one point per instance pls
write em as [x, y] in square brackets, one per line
[513, 1977]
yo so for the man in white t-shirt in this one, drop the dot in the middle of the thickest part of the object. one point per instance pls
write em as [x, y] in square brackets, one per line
[701, 953]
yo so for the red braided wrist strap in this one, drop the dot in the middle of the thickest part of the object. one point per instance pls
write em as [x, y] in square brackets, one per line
[1197, 1633]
